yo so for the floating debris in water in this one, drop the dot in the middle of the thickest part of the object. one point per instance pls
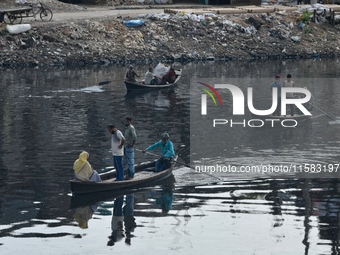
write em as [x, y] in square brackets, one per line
[335, 122]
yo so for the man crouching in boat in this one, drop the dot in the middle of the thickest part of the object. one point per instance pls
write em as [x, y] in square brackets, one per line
[83, 171]
[168, 152]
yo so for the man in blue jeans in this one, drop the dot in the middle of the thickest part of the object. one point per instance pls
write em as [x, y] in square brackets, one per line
[117, 143]
[130, 139]
[277, 84]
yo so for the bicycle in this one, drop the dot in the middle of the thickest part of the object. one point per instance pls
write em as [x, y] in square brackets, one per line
[15, 16]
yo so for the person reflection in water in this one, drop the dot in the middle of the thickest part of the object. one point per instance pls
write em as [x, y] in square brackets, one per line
[129, 219]
[120, 217]
[165, 197]
[83, 170]
[165, 200]
[325, 205]
[83, 214]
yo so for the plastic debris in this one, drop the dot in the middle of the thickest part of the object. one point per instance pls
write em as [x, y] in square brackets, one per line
[133, 23]
[296, 38]
[19, 28]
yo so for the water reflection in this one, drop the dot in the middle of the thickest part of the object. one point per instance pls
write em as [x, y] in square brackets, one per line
[83, 214]
[164, 197]
[123, 220]
[313, 202]
[48, 116]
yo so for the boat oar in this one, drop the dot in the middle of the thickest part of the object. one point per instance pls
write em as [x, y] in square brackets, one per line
[158, 156]
[107, 82]
[329, 116]
[150, 153]
[181, 163]
[104, 82]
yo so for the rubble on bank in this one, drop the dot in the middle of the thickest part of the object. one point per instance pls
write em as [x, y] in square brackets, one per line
[55, 5]
[172, 37]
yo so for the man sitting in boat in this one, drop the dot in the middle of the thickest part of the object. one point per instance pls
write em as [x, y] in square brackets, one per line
[83, 171]
[150, 78]
[168, 152]
[131, 74]
[172, 76]
[169, 77]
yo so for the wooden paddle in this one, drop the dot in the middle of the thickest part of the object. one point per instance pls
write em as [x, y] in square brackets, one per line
[104, 82]
[107, 82]
[181, 163]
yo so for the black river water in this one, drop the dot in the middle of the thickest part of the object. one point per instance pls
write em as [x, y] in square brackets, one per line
[49, 115]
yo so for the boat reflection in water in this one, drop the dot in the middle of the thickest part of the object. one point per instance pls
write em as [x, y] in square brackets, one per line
[307, 209]
[123, 222]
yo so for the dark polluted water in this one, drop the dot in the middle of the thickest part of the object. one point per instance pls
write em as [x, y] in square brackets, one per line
[49, 115]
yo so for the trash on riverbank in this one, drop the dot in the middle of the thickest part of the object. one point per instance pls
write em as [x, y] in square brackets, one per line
[133, 23]
[19, 28]
[180, 36]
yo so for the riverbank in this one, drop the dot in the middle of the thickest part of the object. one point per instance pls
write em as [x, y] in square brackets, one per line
[98, 37]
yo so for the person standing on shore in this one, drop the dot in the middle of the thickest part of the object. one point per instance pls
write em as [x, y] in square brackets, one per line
[289, 83]
[117, 143]
[130, 140]
[277, 84]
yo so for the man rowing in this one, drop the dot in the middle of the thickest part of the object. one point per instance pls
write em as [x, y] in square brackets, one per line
[168, 153]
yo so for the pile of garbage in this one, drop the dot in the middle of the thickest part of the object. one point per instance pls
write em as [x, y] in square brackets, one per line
[131, 2]
[172, 37]
[322, 13]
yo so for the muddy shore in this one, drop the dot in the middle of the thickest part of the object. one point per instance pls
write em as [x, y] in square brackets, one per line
[97, 39]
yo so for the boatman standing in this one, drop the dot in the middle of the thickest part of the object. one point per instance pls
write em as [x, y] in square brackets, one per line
[168, 152]
[130, 140]
[117, 143]
[289, 83]
[277, 84]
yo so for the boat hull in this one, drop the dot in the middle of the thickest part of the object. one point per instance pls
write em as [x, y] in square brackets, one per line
[84, 199]
[144, 175]
[137, 86]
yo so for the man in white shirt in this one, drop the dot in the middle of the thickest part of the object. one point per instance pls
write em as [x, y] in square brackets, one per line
[117, 142]
[148, 76]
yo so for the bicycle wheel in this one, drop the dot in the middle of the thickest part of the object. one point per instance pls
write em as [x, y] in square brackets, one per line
[10, 18]
[46, 14]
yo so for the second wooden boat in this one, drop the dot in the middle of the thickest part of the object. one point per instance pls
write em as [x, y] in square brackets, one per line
[135, 86]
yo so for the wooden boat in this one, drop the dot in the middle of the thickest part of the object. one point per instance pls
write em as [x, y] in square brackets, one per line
[144, 175]
[134, 86]
[85, 199]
